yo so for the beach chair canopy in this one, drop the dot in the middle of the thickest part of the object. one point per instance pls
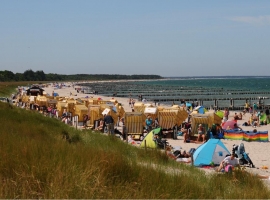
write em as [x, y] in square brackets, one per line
[134, 122]
[139, 107]
[214, 118]
[80, 110]
[197, 119]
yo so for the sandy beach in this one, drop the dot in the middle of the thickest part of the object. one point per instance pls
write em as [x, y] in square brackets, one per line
[258, 151]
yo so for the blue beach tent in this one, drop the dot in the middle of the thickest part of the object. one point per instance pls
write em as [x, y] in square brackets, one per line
[200, 109]
[211, 151]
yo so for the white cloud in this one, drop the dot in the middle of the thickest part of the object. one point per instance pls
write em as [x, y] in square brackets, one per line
[260, 20]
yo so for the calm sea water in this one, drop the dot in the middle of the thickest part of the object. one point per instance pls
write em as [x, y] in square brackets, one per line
[205, 90]
[252, 84]
[248, 87]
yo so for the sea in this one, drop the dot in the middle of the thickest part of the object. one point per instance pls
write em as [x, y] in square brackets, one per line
[210, 92]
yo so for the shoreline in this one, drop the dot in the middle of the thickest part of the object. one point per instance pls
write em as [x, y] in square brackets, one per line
[257, 151]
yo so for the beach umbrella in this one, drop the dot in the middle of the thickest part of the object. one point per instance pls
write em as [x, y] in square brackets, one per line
[229, 123]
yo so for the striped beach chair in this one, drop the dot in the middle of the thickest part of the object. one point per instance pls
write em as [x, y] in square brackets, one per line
[134, 123]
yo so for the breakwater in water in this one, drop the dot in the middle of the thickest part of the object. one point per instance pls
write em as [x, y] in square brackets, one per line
[211, 93]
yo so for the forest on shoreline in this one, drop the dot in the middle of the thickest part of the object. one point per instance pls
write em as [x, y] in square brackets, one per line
[30, 75]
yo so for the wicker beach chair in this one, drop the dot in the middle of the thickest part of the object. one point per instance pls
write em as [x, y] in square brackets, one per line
[134, 123]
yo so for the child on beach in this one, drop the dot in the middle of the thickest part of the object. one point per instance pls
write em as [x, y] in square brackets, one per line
[201, 133]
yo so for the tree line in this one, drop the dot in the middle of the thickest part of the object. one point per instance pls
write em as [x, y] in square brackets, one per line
[30, 75]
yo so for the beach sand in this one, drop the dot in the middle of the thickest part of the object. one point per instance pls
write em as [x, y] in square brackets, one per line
[257, 151]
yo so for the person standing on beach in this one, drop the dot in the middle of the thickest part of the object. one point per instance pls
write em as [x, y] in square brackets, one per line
[133, 103]
[149, 123]
[247, 106]
[226, 114]
[267, 114]
[129, 102]
[109, 122]
[255, 107]
[193, 105]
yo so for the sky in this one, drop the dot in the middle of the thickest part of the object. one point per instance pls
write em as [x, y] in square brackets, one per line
[170, 38]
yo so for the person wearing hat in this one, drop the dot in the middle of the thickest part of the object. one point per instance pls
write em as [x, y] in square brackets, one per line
[201, 133]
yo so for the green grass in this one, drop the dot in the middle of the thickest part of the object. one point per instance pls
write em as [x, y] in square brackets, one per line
[37, 162]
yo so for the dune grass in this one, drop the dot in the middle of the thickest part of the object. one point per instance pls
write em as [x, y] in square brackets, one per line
[38, 162]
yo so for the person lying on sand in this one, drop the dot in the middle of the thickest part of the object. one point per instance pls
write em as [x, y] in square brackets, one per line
[178, 158]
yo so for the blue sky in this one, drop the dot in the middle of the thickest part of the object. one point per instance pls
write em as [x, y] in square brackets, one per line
[167, 38]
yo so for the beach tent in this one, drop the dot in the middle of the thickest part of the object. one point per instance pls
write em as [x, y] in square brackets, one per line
[211, 151]
[148, 139]
[264, 117]
[34, 91]
[199, 109]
